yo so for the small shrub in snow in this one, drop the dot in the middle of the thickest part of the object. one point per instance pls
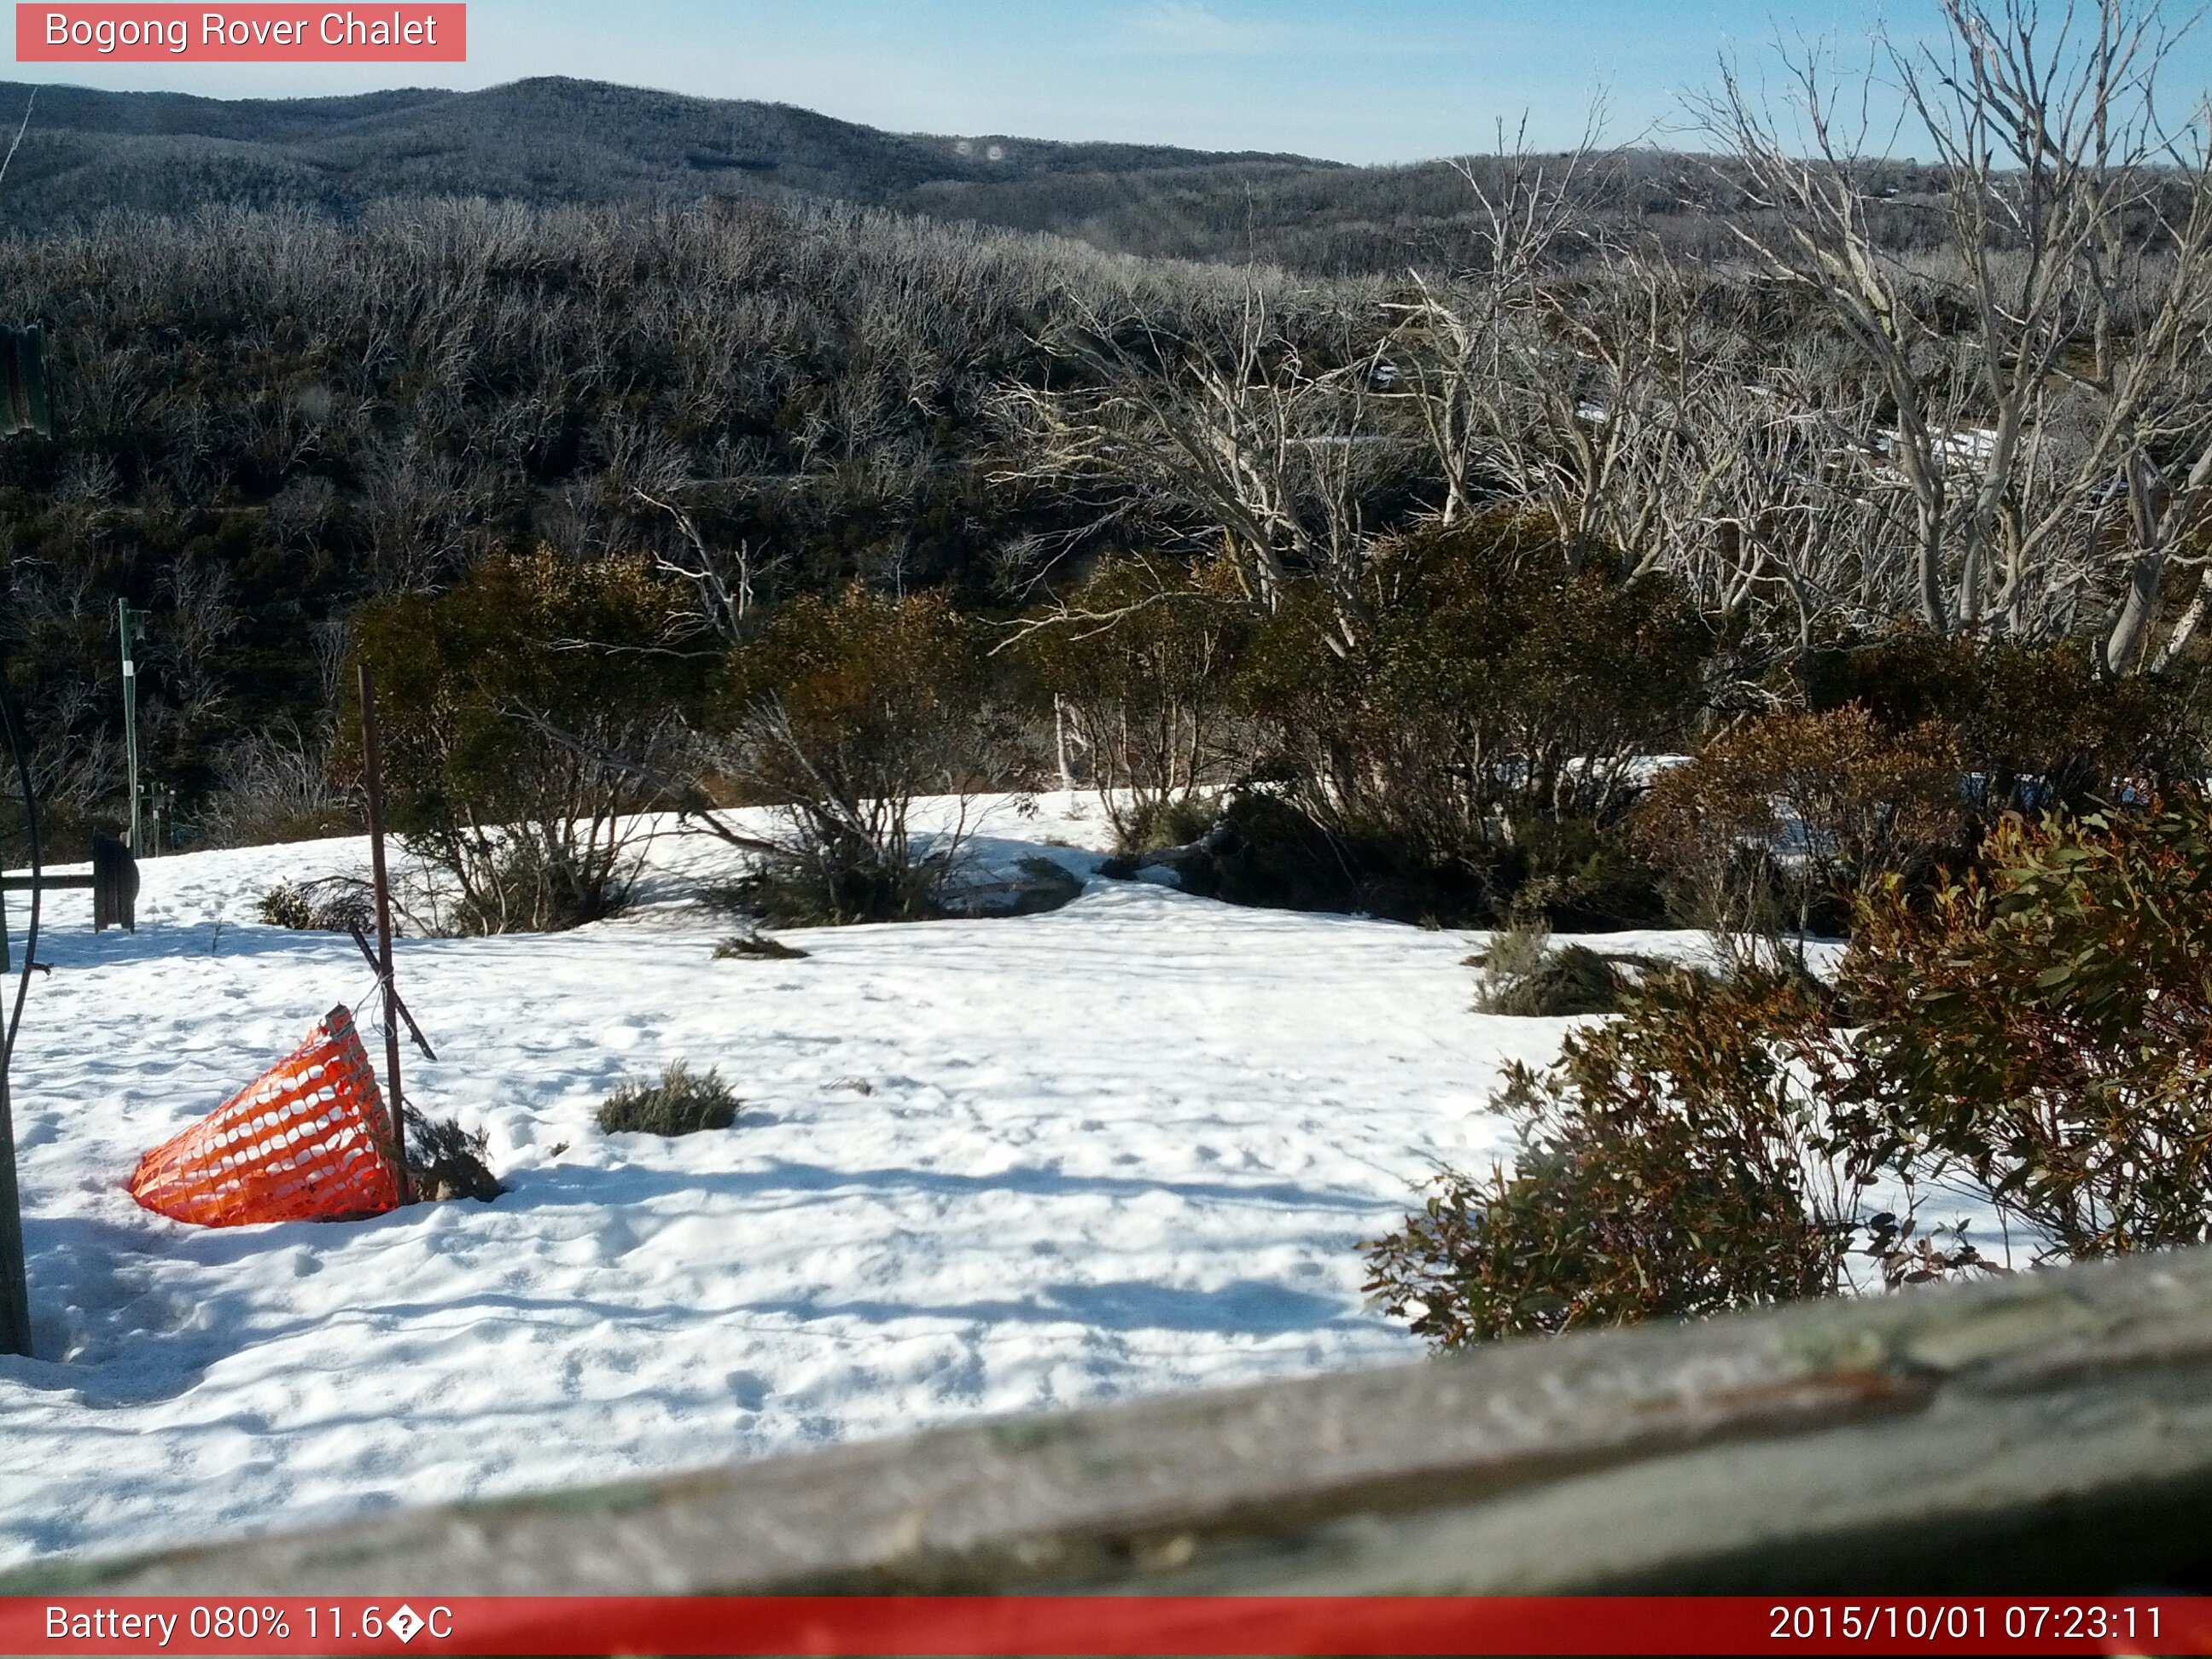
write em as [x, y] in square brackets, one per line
[810, 886]
[334, 904]
[1522, 974]
[445, 1161]
[1168, 823]
[843, 711]
[1573, 979]
[756, 947]
[683, 1102]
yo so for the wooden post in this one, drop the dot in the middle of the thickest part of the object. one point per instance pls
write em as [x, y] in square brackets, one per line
[373, 778]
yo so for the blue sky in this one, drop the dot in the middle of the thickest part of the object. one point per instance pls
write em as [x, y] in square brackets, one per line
[1378, 81]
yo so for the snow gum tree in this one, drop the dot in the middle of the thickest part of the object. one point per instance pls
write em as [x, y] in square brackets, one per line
[840, 713]
[1140, 667]
[529, 712]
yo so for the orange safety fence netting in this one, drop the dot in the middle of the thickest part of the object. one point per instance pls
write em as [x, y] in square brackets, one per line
[309, 1139]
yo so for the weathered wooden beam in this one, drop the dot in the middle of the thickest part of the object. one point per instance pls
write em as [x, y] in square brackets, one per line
[114, 880]
[2049, 1433]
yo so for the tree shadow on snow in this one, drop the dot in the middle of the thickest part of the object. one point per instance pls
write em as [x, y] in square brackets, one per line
[73, 945]
[1245, 1307]
[128, 1314]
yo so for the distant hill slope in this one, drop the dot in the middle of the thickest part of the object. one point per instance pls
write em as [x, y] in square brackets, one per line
[556, 140]
[546, 139]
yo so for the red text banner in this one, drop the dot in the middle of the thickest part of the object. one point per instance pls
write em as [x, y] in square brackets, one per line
[1080, 1624]
[258, 33]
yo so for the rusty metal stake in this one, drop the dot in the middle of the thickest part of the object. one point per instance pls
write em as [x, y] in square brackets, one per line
[368, 955]
[14, 1287]
[373, 777]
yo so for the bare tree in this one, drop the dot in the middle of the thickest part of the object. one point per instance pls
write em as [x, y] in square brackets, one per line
[727, 580]
[2044, 373]
[1512, 391]
[1635, 404]
[1271, 455]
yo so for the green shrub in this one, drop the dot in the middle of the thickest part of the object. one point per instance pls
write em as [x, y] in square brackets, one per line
[841, 713]
[1583, 874]
[683, 1102]
[1575, 980]
[1167, 823]
[2046, 1022]
[2036, 724]
[1523, 974]
[446, 1162]
[1480, 686]
[1262, 850]
[528, 714]
[331, 904]
[805, 884]
[1265, 851]
[2038, 1032]
[1673, 1164]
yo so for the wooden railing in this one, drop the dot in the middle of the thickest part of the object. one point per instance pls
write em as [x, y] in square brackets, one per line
[2046, 1432]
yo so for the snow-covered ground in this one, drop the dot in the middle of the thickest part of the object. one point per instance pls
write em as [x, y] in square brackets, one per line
[982, 1166]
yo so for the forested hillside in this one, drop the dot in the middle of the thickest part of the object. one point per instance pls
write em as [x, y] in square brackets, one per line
[549, 140]
[263, 418]
[555, 140]
[1357, 497]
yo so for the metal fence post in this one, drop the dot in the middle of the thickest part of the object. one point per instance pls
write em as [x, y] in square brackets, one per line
[373, 779]
[15, 1285]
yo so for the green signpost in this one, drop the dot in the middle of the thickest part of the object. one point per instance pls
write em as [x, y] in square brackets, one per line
[130, 628]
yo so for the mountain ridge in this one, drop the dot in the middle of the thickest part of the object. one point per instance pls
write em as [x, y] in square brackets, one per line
[556, 140]
[544, 139]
